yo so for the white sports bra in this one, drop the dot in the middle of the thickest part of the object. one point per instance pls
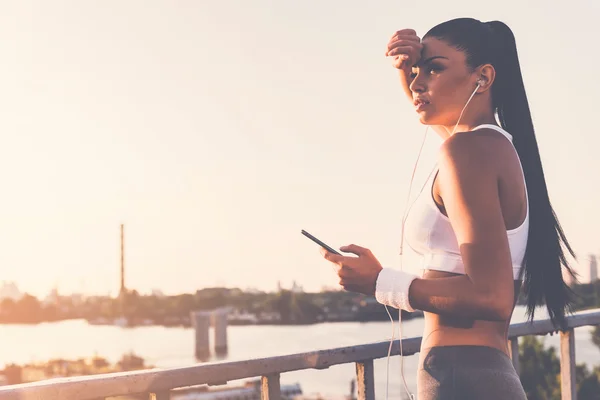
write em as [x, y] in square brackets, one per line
[430, 234]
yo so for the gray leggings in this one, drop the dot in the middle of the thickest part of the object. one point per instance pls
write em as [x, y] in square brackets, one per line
[467, 372]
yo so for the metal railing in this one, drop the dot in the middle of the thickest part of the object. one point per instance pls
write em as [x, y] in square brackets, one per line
[157, 383]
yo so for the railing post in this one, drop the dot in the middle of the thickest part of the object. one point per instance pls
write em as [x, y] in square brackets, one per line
[271, 389]
[568, 389]
[514, 354]
[365, 380]
[160, 396]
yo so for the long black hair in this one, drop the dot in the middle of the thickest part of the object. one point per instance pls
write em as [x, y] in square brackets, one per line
[494, 43]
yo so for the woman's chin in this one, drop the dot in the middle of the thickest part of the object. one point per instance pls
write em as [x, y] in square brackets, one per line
[425, 119]
[429, 118]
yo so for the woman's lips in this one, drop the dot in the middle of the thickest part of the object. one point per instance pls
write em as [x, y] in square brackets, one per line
[420, 106]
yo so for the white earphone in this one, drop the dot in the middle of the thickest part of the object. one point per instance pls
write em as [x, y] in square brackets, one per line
[480, 82]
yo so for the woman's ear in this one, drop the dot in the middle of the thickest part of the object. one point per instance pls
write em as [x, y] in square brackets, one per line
[487, 74]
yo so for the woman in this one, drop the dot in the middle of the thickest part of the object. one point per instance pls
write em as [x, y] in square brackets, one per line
[482, 223]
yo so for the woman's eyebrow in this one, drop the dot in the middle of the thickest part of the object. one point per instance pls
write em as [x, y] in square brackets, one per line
[429, 60]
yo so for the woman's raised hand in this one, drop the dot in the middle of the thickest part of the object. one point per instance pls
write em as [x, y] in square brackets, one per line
[405, 48]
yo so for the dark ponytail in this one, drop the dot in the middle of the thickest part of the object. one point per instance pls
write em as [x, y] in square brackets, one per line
[494, 43]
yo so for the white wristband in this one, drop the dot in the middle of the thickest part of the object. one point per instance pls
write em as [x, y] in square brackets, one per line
[392, 287]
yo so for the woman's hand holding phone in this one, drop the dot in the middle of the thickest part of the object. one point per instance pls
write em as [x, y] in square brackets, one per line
[357, 274]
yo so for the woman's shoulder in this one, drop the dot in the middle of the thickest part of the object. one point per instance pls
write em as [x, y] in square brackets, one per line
[470, 168]
[483, 149]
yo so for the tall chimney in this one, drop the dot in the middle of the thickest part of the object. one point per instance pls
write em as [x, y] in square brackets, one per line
[122, 260]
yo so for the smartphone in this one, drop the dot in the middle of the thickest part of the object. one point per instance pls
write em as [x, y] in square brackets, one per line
[320, 243]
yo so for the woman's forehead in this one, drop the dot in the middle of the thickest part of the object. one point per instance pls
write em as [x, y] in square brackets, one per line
[433, 47]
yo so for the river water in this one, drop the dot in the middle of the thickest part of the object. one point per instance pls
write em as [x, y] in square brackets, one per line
[174, 347]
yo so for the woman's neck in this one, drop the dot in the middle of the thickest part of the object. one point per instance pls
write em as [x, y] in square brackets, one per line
[466, 125]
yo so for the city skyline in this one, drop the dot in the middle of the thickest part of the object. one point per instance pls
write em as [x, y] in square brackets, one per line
[216, 132]
[10, 290]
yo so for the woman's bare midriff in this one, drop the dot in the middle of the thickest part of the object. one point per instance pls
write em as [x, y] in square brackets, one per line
[454, 331]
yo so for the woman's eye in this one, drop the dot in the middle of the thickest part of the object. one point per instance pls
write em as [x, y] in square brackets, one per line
[413, 75]
[434, 70]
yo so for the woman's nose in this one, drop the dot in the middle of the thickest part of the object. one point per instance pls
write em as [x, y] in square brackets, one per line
[417, 85]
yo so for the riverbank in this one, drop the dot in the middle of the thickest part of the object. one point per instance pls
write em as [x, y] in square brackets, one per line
[132, 309]
[284, 307]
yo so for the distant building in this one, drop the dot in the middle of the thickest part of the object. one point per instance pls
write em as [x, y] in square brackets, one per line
[53, 297]
[33, 374]
[587, 270]
[216, 291]
[9, 290]
[593, 268]
[297, 288]
[77, 299]
[328, 288]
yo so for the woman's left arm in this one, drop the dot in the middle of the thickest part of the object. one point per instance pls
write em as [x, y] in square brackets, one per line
[468, 180]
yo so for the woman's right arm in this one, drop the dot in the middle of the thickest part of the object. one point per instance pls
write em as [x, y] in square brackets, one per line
[405, 80]
[405, 47]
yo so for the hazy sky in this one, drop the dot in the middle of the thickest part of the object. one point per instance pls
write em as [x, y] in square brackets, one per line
[217, 130]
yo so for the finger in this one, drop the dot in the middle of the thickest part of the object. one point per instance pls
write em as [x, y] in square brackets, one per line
[354, 249]
[415, 46]
[350, 287]
[345, 283]
[334, 258]
[403, 50]
[328, 256]
[344, 271]
[404, 41]
[405, 47]
[412, 39]
[407, 32]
